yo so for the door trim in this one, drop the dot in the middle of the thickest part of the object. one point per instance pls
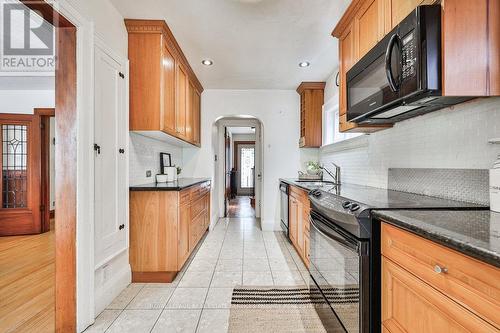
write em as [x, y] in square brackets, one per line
[66, 154]
[44, 115]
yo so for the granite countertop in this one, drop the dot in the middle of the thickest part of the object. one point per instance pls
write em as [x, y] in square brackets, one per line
[180, 184]
[475, 233]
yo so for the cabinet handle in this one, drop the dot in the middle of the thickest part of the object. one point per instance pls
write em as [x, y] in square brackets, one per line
[438, 269]
[122, 226]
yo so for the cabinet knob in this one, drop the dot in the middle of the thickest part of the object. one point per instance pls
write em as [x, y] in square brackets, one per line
[122, 226]
[438, 269]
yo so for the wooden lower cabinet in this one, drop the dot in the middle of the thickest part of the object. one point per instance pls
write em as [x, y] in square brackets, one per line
[462, 296]
[164, 232]
[183, 235]
[298, 222]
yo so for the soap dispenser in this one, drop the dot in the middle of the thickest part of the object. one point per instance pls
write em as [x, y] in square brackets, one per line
[495, 182]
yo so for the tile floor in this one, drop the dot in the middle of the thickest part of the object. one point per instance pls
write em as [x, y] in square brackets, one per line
[235, 253]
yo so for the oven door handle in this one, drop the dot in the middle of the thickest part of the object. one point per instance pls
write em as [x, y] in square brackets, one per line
[335, 236]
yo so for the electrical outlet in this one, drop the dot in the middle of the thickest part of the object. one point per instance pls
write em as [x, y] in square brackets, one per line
[148, 173]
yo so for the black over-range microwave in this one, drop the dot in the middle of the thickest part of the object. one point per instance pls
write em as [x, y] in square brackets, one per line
[400, 77]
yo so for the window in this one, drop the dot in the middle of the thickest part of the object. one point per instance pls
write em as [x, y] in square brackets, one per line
[14, 166]
[331, 130]
[247, 158]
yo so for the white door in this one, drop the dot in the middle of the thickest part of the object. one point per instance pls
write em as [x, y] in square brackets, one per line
[246, 169]
[110, 135]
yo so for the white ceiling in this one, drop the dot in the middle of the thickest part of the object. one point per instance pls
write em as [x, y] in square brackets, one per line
[255, 44]
[241, 130]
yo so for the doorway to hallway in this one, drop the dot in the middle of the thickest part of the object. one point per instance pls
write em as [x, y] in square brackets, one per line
[240, 165]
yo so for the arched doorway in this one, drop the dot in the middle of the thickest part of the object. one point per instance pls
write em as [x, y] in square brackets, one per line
[238, 137]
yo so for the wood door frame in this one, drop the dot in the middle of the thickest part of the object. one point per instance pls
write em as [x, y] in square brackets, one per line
[66, 159]
[44, 115]
[236, 160]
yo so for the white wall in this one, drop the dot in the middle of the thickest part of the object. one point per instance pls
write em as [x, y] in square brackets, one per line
[278, 111]
[455, 137]
[24, 101]
[108, 26]
[145, 155]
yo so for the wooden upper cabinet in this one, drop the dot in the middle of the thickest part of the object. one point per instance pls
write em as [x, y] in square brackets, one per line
[161, 82]
[196, 104]
[347, 59]
[182, 101]
[464, 22]
[369, 26]
[145, 61]
[169, 124]
[311, 106]
[471, 47]
[396, 10]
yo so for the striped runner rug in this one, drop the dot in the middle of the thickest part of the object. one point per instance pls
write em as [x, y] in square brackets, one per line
[288, 309]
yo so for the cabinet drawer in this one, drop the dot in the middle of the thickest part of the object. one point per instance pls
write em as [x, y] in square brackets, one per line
[185, 196]
[197, 207]
[411, 306]
[473, 284]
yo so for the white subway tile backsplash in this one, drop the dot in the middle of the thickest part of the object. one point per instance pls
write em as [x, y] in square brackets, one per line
[455, 137]
[145, 155]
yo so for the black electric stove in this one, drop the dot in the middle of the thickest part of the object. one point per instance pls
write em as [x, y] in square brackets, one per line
[345, 247]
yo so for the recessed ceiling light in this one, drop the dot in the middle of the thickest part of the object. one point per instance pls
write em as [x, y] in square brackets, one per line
[304, 64]
[207, 62]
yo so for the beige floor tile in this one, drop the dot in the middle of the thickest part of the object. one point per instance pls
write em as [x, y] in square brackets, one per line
[150, 299]
[187, 298]
[214, 321]
[226, 279]
[219, 298]
[256, 265]
[257, 279]
[103, 321]
[195, 279]
[135, 321]
[178, 321]
[125, 297]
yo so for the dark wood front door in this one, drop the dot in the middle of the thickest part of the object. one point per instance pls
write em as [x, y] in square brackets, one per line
[20, 187]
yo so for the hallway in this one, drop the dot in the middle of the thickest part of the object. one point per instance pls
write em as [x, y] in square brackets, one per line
[235, 253]
[241, 207]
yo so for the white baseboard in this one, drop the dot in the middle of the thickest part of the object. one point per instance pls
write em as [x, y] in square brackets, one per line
[111, 289]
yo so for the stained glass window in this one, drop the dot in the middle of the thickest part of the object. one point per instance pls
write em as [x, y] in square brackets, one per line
[14, 166]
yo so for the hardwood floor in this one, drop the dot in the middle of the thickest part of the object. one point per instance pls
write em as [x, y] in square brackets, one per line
[241, 207]
[27, 273]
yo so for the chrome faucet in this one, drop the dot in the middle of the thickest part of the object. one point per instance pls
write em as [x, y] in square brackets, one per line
[336, 175]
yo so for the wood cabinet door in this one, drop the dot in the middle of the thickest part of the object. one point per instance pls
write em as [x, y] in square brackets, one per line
[397, 10]
[369, 26]
[411, 306]
[184, 219]
[307, 248]
[347, 60]
[292, 219]
[181, 93]
[300, 227]
[196, 117]
[168, 116]
[190, 117]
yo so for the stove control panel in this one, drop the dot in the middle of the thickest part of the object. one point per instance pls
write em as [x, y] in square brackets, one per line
[335, 204]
